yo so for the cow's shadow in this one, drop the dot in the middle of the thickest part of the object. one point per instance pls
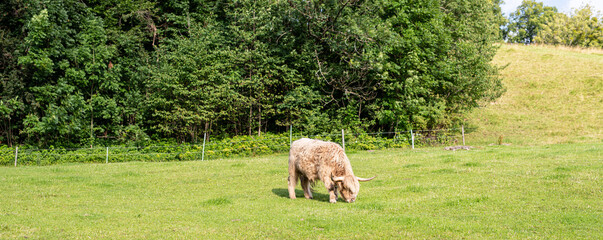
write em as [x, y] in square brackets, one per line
[282, 192]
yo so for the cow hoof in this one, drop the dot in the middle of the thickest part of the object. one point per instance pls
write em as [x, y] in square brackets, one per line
[332, 201]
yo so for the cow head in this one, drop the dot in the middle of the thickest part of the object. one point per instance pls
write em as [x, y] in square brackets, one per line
[349, 186]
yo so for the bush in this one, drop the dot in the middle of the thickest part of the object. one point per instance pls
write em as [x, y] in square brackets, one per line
[239, 146]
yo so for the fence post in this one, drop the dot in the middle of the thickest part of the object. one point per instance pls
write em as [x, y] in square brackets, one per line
[343, 139]
[16, 154]
[290, 134]
[412, 136]
[463, 132]
[107, 156]
[203, 151]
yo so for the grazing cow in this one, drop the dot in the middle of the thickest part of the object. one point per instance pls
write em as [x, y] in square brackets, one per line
[311, 160]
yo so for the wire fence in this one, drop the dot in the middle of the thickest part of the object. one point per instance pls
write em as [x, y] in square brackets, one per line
[226, 148]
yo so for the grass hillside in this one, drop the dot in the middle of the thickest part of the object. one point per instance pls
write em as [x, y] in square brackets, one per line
[554, 95]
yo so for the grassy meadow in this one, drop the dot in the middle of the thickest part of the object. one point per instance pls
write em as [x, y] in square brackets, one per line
[546, 192]
[545, 185]
[554, 95]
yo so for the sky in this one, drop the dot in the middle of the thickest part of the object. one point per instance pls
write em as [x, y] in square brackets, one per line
[564, 6]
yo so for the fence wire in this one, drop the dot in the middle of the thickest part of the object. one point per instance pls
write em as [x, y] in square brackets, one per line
[224, 148]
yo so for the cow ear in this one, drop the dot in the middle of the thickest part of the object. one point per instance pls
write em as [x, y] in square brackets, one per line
[338, 179]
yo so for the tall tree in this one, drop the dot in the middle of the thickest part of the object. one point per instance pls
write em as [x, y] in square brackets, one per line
[437, 61]
[191, 85]
[132, 30]
[527, 21]
[264, 75]
[500, 18]
[554, 31]
[339, 41]
[12, 84]
[586, 28]
[67, 58]
[583, 28]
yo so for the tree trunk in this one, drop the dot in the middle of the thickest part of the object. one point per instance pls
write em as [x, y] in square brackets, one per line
[91, 119]
[211, 123]
[91, 107]
[194, 134]
[260, 120]
[250, 118]
[359, 110]
[9, 132]
[207, 128]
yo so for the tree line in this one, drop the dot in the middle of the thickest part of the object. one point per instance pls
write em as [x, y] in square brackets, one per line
[533, 22]
[88, 72]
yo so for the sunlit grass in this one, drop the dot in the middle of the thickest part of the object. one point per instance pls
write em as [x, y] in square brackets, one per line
[554, 95]
[500, 192]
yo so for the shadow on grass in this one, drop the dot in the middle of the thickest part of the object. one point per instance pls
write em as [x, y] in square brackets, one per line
[282, 192]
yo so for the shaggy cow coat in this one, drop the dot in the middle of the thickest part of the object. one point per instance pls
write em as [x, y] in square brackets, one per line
[311, 160]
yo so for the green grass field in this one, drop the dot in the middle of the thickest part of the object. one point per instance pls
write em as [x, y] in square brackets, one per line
[545, 185]
[546, 192]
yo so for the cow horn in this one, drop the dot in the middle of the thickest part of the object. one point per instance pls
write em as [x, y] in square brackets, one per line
[365, 179]
[338, 179]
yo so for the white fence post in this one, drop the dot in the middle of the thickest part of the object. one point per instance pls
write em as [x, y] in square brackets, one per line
[203, 151]
[412, 136]
[343, 139]
[107, 156]
[16, 154]
[463, 132]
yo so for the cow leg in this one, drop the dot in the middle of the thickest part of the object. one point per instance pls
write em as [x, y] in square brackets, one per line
[330, 185]
[336, 194]
[305, 183]
[292, 183]
[292, 180]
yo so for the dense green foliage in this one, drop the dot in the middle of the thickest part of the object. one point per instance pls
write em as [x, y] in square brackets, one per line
[96, 72]
[224, 148]
[533, 22]
[583, 28]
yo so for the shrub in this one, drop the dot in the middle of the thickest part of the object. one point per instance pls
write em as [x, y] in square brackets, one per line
[238, 146]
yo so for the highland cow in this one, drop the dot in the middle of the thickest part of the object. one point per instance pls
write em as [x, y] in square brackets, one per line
[311, 160]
